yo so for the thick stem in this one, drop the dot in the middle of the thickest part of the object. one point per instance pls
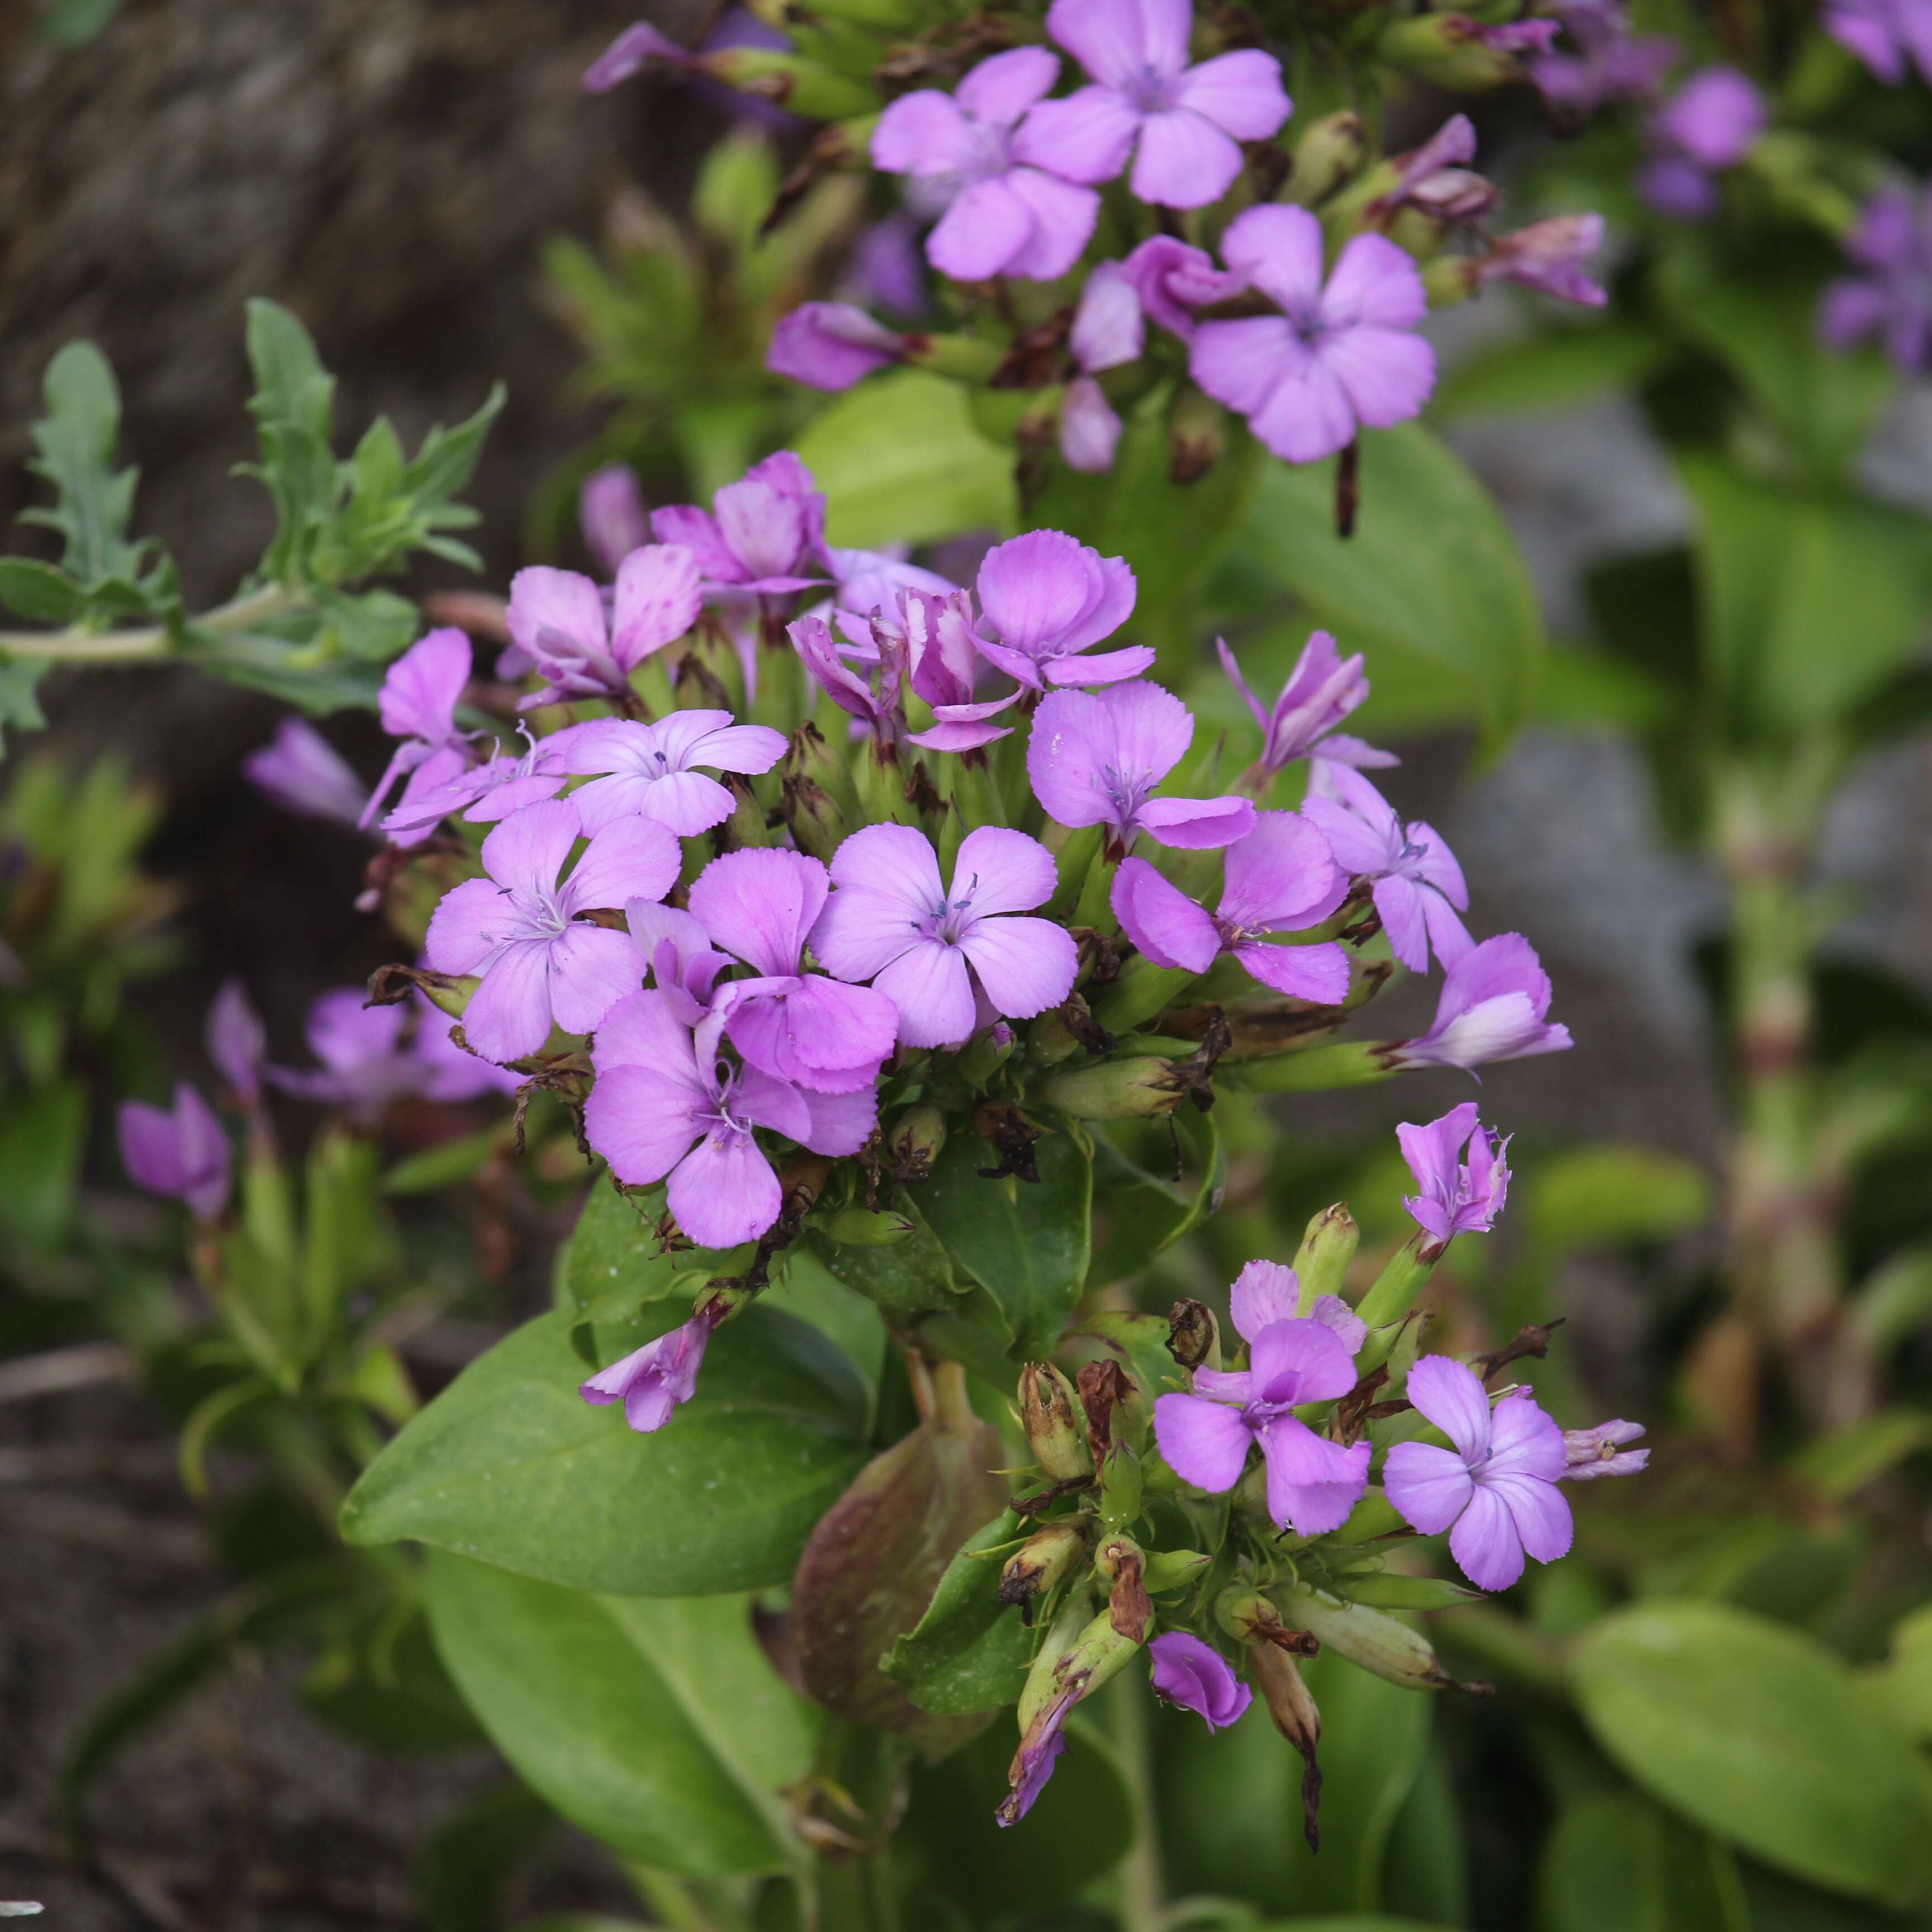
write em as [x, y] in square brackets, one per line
[75, 647]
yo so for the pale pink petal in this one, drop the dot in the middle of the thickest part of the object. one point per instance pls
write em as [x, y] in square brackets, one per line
[683, 802]
[591, 969]
[1317, 973]
[1110, 38]
[998, 92]
[697, 531]
[563, 601]
[1430, 1486]
[1264, 1293]
[1486, 1543]
[1308, 1354]
[1100, 667]
[1026, 965]
[1162, 921]
[1307, 415]
[841, 1123]
[1034, 588]
[1086, 137]
[1278, 250]
[1109, 610]
[1197, 824]
[1063, 218]
[509, 1015]
[1539, 1512]
[1312, 1484]
[528, 848]
[422, 688]
[979, 235]
[894, 861]
[630, 859]
[1387, 374]
[1449, 1394]
[777, 1104]
[1241, 92]
[640, 1121]
[999, 871]
[723, 1192]
[1184, 161]
[471, 921]
[1374, 282]
[1282, 875]
[922, 133]
[1090, 431]
[1239, 363]
[760, 903]
[1332, 1311]
[1399, 902]
[644, 1031]
[657, 600]
[929, 984]
[1204, 1443]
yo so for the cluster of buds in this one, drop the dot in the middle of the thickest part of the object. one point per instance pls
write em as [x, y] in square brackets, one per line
[1082, 169]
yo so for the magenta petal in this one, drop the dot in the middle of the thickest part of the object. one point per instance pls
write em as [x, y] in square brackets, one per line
[723, 1192]
[1317, 973]
[1448, 1393]
[1184, 161]
[1087, 137]
[1162, 921]
[1312, 1484]
[1192, 1675]
[1197, 824]
[640, 1122]
[1241, 92]
[760, 903]
[1205, 1443]
[1539, 1511]
[1025, 965]
[1264, 1293]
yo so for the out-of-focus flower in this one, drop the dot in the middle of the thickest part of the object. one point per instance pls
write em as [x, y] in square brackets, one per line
[1182, 124]
[1589, 1453]
[303, 773]
[1547, 257]
[1610, 64]
[831, 345]
[1710, 124]
[237, 1042]
[1341, 355]
[611, 514]
[1885, 34]
[180, 1151]
[1892, 299]
[1003, 216]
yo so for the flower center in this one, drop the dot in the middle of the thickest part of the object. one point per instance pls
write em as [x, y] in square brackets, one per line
[949, 921]
[1150, 91]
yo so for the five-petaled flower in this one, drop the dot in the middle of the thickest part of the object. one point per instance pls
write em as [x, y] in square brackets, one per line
[647, 770]
[1454, 1196]
[1046, 599]
[947, 958]
[519, 928]
[1497, 1486]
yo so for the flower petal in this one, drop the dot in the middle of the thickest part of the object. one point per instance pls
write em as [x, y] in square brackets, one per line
[723, 1192]
[1162, 920]
[657, 600]
[1241, 92]
[1264, 1293]
[1539, 1511]
[1449, 1394]
[760, 903]
[1026, 965]
[640, 1121]
[1485, 1542]
[509, 1015]
[998, 870]
[929, 984]
[1312, 1484]
[1184, 161]
[1430, 1486]
[1204, 1443]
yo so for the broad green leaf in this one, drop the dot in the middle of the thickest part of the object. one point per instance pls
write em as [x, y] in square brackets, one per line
[1026, 1243]
[1230, 1805]
[1618, 1863]
[658, 1728]
[1425, 1870]
[900, 461]
[1432, 574]
[1080, 1827]
[1759, 1734]
[614, 1252]
[1145, 1213]
[1562, 368]
[509, 1463]
[1903, 1684]
[970, 1651]
[467, 1860]
[1609, 1192]
[909, 1275]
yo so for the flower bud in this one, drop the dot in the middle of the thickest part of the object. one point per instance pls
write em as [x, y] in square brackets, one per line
[1314, 1070]
[1327, 1248]
[1042, 1684]
[1330, 151]
[816, 797]
[1121, 1090]
[1193, 1339]
[915, 1141]
[1123, 1568]
[964, 358]
[787, 80]
[1380, 1644]
[1449, 51]
[1041, 1564]
[860, 1228]
[1296, 1717]
[1055, 1428]
[1119, 1487]
[1197, 436]
[987, 1052]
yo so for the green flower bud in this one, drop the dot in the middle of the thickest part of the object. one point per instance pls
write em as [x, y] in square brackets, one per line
[1120, 1488]
[1380, 1644]
[986, 1053]
[1119, 1089]
[965, 358]
[1330, 151]
[1313, 1070]
[1041, 1564]
[800, 86]
[1055, 1428]
[915, 1141]
[859, 1227]
[1327, 1248]
[1097, 1654]
[817, 799]
[1445, 50]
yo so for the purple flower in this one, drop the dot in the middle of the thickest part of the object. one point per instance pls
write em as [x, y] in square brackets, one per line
[1492, 1007]
[493, 790]
[1033, 1763]
[1416, 882]
[652, 1381]
[1434, 179]
[892, 922]
[1322, 691]
[1280, 878]
[420, 692]
[1893, 298]
[1196, 1677]
[367, 1066]
[638, 43]
[1498, 1485]
[1610, 63]
[1172, 280]
[1883, 33]
[1265, 1292]
[862, 679]
[1003, 217]
[1710, 124]
[933, 638]
[667, 1106]
[763, 535]
[1547, 257]
[1045, 598]
[1312, 1484]
[181, 1153]
[865, 582]
[646, 770]
[1186, 122]
[1340, 355]
[610, 513]
[1454, 1197]
[303, 773]
[678, 951]
[1107, 332]
[830, 346]
[518, 929]
[1589, 1453]
[557, 619]
[237, 1042]
[760, 905]
[887, 269]
[1095, 757]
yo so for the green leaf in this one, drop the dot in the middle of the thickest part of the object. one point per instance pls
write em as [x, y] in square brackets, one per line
[444, 1164]
[466, 1865]
[511, 1465]
[900, 461]
[294, 408]
[75, 23]
[1230, 1806]
[1610, 1193]
[614, 1252]
[1839, 1465]
[658, 1728]
[970, 1651]
[75, 440]
[1759, 1734]
[20, 695]
[43, 1137]
[910, 1276]
[380, 1681]
[1081, 1826]
[1432, 574]
[39, 591]
[1145, 1214]
[1390, 1590]
[1902, 1684]
[1617, 1863]
[1562, 368]
[1026, 1243]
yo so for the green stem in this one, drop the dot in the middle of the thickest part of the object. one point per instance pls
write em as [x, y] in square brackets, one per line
[1143, 1886]
[77, 646]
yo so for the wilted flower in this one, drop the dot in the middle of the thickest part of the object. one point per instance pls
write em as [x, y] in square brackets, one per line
[1171, 279]
[1589, 1453]
[1547, 257]
[1196, 1677]
[558, 620]
[1492, 1007]
[652, 1381]
[1497, 1486]
[1187, 123]
[1452, 1197]
[1002, 217]
[181, 1152]
[1341, 354]
[518, 929]
[1046, 599]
